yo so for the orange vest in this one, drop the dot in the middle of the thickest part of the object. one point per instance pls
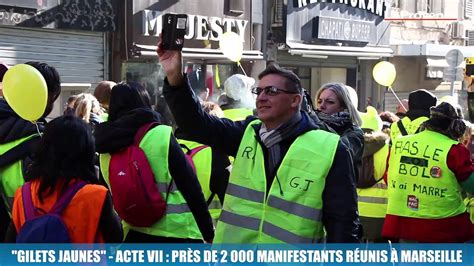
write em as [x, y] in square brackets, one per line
[81, 216]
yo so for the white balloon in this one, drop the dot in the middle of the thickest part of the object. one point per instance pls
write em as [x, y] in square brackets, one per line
[231, 46]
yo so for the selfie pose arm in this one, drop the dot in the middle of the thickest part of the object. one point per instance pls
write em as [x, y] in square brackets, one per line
[219, 133]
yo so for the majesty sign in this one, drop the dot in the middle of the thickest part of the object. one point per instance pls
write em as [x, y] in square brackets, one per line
[198, 27]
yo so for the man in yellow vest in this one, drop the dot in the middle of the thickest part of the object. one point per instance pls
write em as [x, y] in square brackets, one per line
[427, 173]
[17, 139]
[419, 103]
[290, 182]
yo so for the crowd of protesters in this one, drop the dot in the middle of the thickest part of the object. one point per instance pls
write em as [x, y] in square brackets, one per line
[275, 170]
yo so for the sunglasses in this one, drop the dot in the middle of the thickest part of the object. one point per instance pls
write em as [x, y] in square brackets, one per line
[271, 91]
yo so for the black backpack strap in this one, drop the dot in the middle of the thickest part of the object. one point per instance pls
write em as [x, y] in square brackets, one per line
[402, 128]
[66, 197]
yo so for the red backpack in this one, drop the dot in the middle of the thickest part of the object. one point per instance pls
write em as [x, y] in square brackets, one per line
[134, 190]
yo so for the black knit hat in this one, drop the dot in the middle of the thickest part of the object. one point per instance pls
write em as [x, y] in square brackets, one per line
[419, 103]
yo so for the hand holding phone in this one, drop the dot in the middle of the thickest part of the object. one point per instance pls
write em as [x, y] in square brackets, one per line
[174, 29]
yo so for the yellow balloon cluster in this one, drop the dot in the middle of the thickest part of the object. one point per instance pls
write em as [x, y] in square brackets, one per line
[26, 91]
[231, 46]
[384, 73]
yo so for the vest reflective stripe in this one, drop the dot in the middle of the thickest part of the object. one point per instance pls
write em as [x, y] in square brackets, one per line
[295, 208]
[372, 202]
[291, 212]
[284, 235]
[380, 185]
[177, 208]
[267, 228]
[239, 220]
[423, 185]
[163, 187]
[177, 221]
[11, 176]
[215, 205]
[237, 114]
[244, 193]
[376, 200]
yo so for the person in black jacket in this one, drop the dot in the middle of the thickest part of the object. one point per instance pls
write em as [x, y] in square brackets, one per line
[130, 109]
[279, 126]
[18, 139]
[336, 109]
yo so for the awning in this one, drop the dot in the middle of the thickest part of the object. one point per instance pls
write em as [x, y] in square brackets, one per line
[197, 53]
[430, 49]
[308, 50]
[435, 66]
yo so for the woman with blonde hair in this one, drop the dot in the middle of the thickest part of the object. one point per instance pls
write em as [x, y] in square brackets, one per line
[87, 108]
[336, 110]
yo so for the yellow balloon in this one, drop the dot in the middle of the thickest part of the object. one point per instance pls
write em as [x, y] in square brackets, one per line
[231, 46]
[26, 91]
[384, 73]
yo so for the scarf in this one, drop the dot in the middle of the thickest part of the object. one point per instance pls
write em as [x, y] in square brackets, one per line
[337, 121]
[272, 138]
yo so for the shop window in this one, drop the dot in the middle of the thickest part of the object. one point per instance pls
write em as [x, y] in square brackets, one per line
[408, 5]
[277, 18]
[469, 9]
[470, 38]
[207, 80]
[421, 5]
[433, 73]
[202, 77]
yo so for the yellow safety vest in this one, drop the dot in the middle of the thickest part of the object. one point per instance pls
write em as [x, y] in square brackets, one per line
[291, 212]
[373, 201]
[203, 163]
[420, 184]
[178, 222]
[237, 114]
[11, 176]
[410, 126]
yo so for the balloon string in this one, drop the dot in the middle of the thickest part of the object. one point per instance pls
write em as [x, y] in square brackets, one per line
[240, 65]
[37, 129]
[398, 99]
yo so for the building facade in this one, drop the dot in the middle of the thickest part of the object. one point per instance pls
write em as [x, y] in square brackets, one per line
[72, 36]
[422, 33]
[331, 41]
[135, 46]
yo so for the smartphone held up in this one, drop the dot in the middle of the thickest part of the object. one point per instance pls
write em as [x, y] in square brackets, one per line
[174, 29]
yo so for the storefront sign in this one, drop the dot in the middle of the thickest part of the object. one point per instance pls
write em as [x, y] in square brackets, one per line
[198, 27]
[326, 28]
[377, 7]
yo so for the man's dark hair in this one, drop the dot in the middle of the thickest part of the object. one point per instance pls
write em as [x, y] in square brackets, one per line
[65, 152]
[293, 82]
[53, 81]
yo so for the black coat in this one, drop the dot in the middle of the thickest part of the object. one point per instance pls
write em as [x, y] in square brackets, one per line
[340, 215]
